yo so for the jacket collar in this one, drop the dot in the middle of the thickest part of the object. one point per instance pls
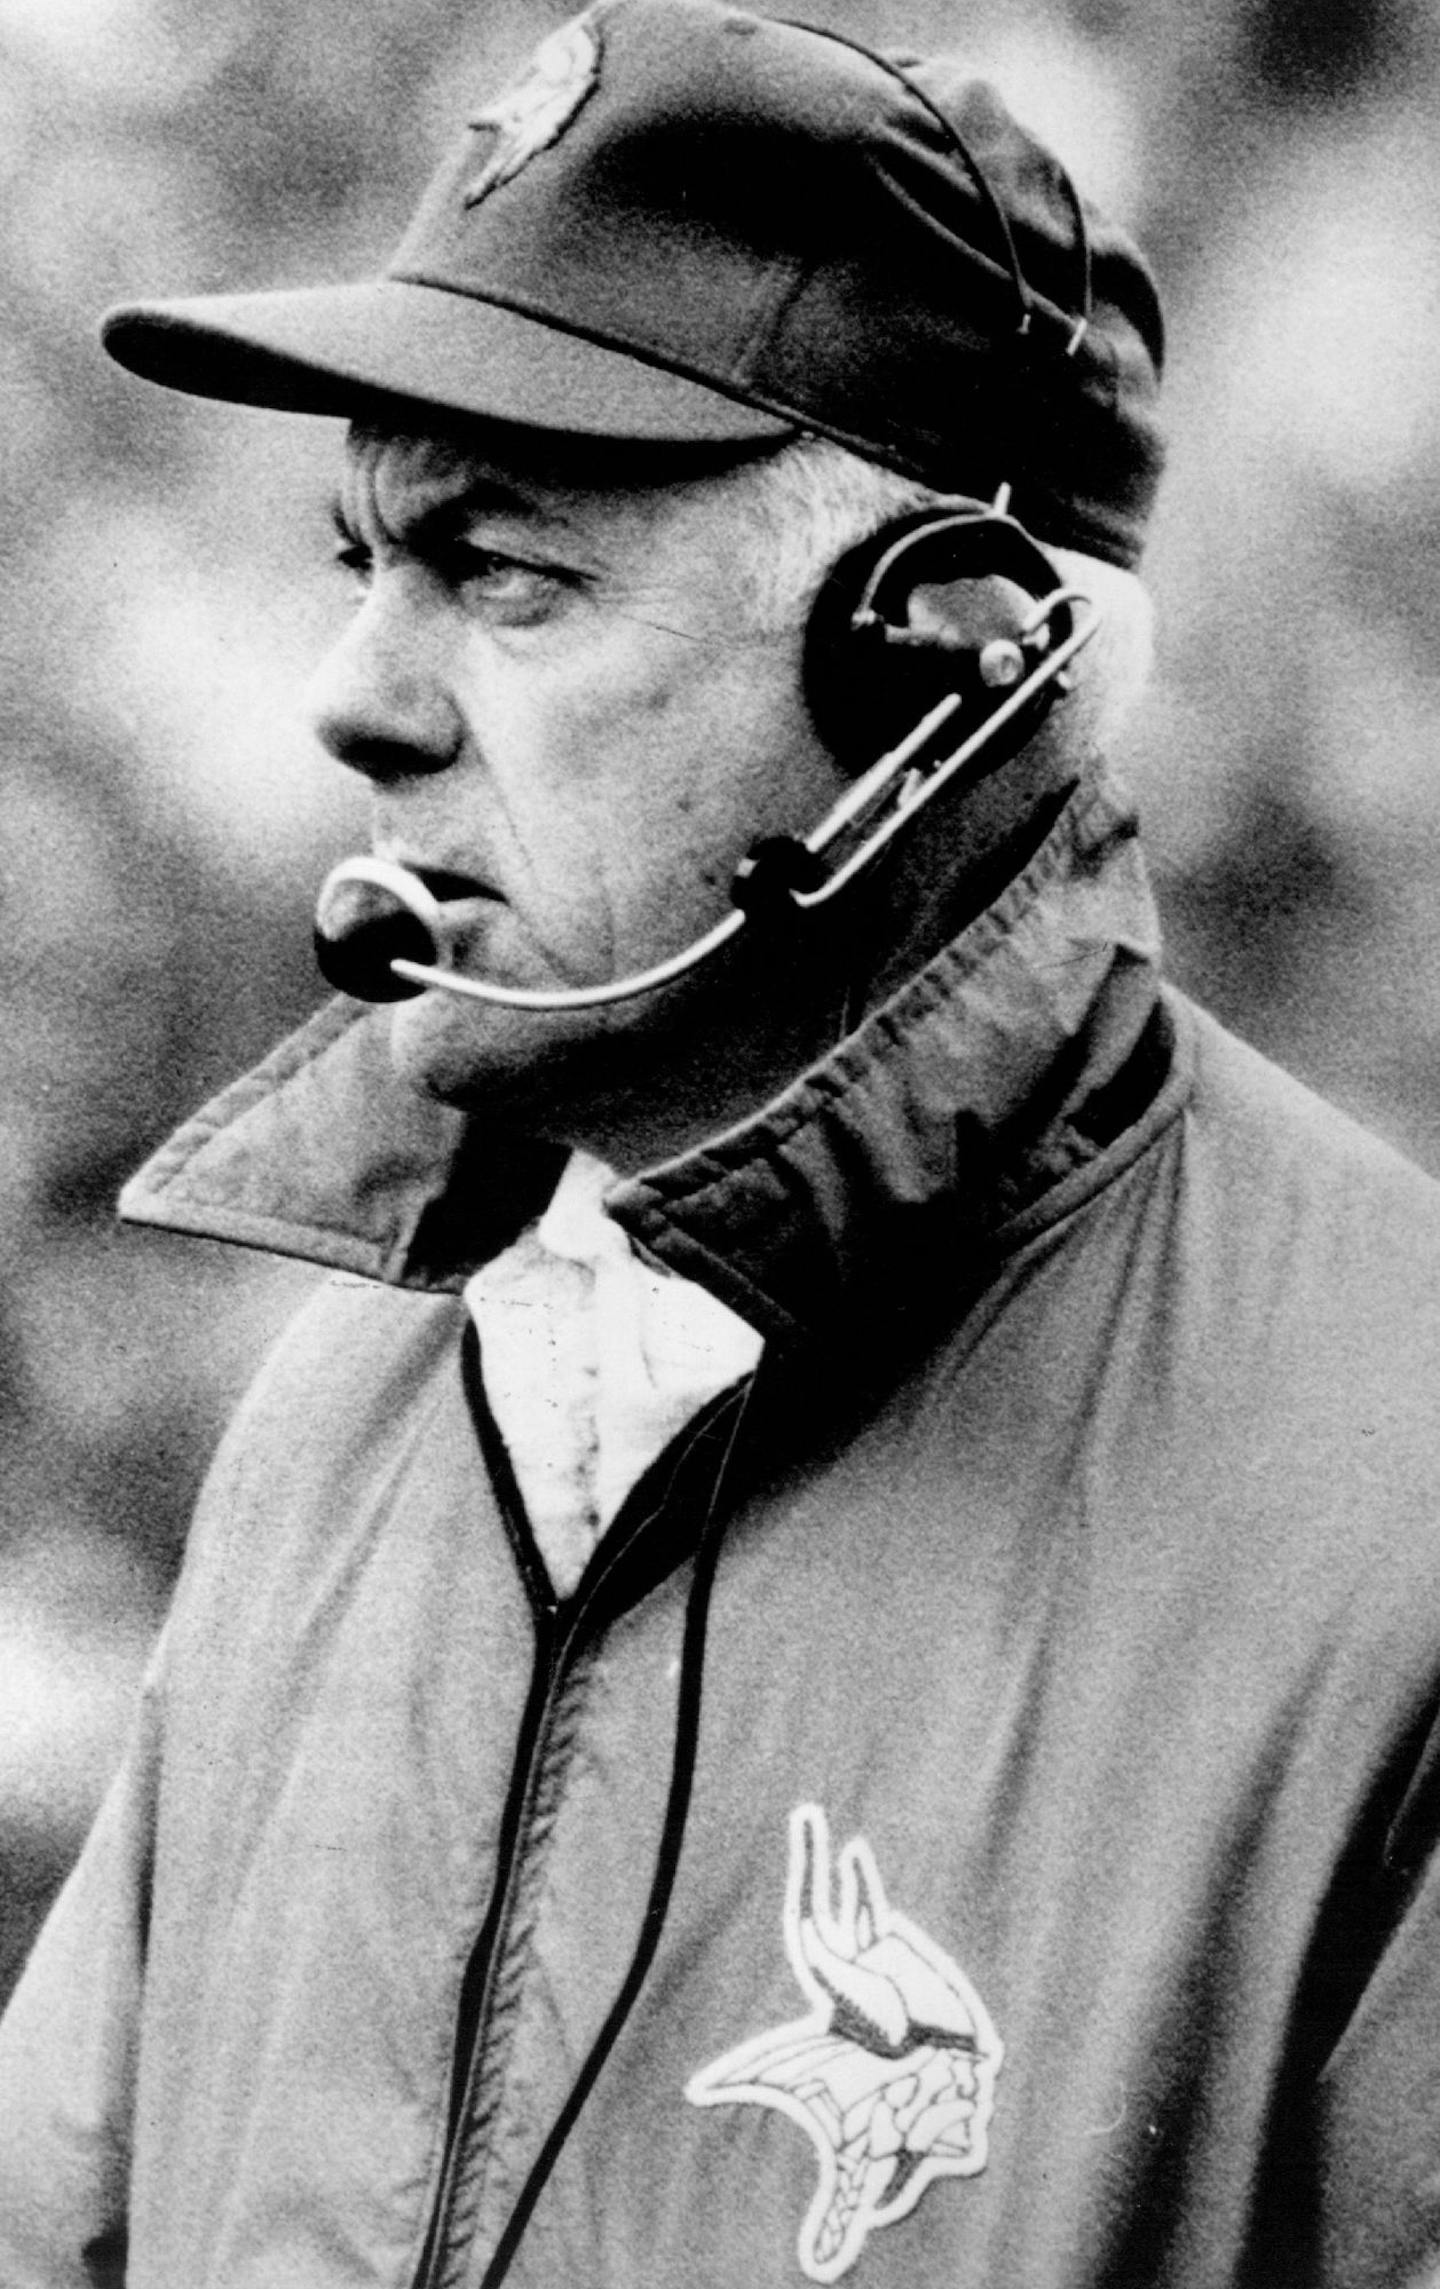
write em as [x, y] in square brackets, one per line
[959, 1106]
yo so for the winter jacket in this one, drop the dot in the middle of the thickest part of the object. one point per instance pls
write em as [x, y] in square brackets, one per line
[975, 1823]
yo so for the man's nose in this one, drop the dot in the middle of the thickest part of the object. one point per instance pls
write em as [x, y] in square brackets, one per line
[379, 701]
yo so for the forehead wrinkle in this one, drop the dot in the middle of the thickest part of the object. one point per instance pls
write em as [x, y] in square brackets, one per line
[418, 487]
[481, 481]
[424, 488]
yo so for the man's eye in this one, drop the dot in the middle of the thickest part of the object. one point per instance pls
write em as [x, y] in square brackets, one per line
[506, 585]
[507, 588]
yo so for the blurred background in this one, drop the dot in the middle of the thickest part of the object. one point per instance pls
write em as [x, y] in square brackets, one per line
[164, 588]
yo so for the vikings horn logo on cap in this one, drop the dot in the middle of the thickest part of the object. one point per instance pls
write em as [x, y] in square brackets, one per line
[724, 240]
[535, 111]
[892, 2075]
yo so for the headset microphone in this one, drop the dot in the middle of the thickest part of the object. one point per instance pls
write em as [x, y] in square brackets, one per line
[890, 640]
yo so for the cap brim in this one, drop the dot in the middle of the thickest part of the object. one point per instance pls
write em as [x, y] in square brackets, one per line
[339, 349]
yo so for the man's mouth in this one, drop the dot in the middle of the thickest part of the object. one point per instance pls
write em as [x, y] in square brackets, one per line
[389, 907]
[451, 888]
[468, 906]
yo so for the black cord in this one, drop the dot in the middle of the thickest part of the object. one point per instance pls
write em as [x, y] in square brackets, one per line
[667, 1863]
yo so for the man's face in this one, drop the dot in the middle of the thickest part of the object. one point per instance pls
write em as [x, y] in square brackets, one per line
[560, 696]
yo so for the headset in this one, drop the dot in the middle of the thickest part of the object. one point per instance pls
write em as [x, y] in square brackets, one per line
[943, 642]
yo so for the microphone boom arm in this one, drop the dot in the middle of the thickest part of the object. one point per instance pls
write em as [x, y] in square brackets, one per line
[783, 876]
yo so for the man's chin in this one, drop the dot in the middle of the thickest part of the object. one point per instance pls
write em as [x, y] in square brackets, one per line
[529, 1069]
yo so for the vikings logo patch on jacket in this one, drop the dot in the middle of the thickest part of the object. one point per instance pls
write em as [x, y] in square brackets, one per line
[892, 2074]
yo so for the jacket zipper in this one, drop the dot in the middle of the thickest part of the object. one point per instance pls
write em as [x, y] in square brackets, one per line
[559, 1642]
[553, 1666]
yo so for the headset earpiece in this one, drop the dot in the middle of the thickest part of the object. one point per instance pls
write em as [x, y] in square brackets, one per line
[942, 601]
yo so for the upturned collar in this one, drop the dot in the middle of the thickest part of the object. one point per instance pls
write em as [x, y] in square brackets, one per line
[980, 1097]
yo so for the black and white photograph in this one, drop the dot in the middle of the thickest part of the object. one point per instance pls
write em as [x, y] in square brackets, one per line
[720, 1197]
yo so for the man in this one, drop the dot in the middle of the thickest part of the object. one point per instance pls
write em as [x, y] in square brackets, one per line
[820, 1658]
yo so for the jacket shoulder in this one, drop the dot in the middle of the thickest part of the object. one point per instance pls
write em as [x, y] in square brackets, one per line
[1306, 1160]
[361, 1377]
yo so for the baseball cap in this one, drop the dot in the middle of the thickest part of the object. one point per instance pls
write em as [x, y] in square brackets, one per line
[688, 224]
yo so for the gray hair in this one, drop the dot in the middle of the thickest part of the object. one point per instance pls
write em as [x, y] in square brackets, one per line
[810, 502]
